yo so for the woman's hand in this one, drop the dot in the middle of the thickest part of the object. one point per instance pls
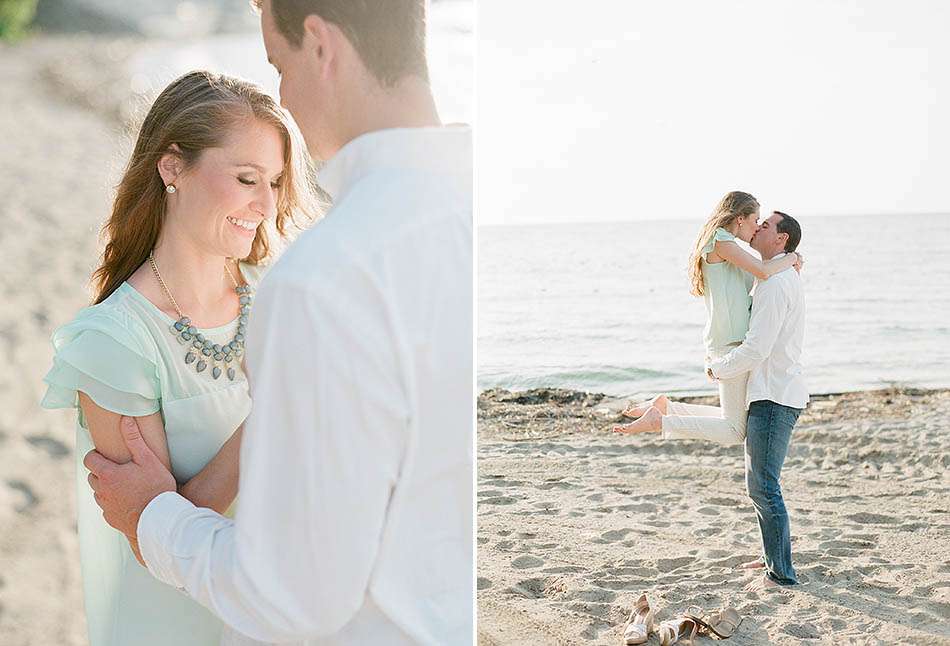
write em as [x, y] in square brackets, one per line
[799, 263]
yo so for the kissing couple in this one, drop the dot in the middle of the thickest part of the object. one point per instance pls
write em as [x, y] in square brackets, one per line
[753, 336]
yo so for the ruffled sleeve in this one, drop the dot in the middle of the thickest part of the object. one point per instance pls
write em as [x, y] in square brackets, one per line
[718, 234]
[106, 358]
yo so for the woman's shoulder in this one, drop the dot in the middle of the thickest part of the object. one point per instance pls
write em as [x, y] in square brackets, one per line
[719, 235]
[115, 318]
[106, 353]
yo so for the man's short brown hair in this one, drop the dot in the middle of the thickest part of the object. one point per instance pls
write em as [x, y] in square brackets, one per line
[790, 227]
[389, 35]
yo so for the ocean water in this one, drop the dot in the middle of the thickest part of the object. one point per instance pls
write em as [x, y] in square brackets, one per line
[605, 307]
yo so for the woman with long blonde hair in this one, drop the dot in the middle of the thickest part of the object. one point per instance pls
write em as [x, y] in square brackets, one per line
[722, 273]
[217, 170]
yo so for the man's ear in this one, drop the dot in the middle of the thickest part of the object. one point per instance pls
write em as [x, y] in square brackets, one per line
[322, 40]
[171, 164]
[783, 239]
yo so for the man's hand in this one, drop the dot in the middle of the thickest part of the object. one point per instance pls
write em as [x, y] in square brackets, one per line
[709, 373]
[124, 490]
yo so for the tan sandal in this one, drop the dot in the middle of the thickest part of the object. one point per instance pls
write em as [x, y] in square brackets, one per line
[640, 623]
[673, 630]
[722, 623]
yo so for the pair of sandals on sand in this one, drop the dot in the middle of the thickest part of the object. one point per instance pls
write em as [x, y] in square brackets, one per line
[695, 621]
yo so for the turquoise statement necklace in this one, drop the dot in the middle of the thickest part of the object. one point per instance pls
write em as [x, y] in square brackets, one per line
[202, 352]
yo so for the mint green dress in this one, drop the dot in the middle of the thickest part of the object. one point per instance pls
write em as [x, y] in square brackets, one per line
[122, 354]
[728, 301]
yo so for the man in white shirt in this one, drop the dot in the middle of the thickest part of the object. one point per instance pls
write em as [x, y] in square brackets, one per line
[354, 524]
[776, 396]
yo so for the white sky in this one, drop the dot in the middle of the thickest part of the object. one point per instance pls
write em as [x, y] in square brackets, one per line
[623, 109]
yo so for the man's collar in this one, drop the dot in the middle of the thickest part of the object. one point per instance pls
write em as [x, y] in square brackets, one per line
[434, 148]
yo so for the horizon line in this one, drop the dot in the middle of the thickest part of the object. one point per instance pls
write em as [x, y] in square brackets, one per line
[693, 219]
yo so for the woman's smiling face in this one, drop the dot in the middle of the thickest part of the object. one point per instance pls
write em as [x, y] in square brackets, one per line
[229, 191]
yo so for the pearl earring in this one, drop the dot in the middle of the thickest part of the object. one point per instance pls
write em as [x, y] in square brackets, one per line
[170, 188]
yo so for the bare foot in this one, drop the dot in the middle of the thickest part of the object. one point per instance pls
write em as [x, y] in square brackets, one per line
[751, 565]
[760, 583]
[651, 422]
[659, 402]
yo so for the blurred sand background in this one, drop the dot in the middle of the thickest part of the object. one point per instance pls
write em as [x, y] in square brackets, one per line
[574, 522]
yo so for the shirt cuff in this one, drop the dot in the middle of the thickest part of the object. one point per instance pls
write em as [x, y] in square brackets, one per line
[154, 532]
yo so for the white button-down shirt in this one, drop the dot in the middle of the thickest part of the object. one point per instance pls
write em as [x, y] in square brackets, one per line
[354, 521]
[772, 349]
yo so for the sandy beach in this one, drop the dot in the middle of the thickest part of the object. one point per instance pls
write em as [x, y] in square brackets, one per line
[574, 522]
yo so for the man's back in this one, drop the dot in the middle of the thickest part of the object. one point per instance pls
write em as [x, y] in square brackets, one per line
[374, 393]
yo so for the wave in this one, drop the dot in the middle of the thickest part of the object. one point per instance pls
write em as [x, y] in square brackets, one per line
[592, 378]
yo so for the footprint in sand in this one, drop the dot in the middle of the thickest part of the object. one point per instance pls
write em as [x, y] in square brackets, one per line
[802, 631]
[29, 501]
[556, 484]
[846, 544]
[482, 583]
[867, 518]
[724, 502]
[640, 533]
[638, 507]
[564, 569]
[613, 536]
[668, 565]
[53, 447]
[526, 562]
[529, 588]
[498, 500]
[594, 630]
[706, 532]
[593, 595]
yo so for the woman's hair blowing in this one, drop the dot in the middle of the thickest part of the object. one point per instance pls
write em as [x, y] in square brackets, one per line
[734, 205]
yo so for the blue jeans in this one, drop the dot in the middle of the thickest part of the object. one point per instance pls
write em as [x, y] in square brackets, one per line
[769, 430]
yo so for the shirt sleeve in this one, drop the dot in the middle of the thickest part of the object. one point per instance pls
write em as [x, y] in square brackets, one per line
[769, 308]
[321, 454]
[106, 359]
[718, 234]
